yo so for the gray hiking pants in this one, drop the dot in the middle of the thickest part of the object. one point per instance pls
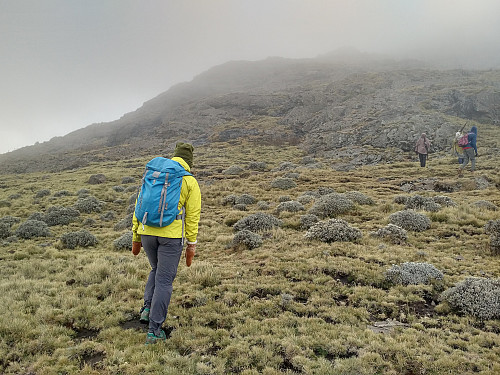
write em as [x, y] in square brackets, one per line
[469, 154]
[164, 255]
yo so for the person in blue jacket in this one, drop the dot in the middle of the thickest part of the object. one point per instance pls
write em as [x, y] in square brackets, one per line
[470, 151]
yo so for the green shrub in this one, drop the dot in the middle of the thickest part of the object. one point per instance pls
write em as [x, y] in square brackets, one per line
[257, 222]
[33, 228]
[250, 239]
[82, 238]
[283, 183]
[410, 220]
[394, 233]
[331, 205]
[124, 242]
[88, 204]
[413, 273]
[333, 230]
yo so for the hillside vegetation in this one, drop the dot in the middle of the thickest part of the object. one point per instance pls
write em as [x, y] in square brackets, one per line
[300, 268]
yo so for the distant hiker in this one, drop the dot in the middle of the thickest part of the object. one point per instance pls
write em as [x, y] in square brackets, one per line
[165, 182]
[470, 151]
[422, 148]
[456, 150]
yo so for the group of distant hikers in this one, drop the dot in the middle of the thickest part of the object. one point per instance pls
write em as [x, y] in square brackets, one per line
[167, 212]
[464, 147]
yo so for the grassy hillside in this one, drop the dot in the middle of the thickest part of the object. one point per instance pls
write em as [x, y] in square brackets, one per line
[291, 305]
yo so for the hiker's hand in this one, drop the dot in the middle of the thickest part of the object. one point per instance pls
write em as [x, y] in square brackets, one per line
[190, 251]
[136, 247]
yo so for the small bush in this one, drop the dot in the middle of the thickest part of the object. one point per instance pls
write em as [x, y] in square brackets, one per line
[444, 201]
[62, 193]
[15, 196]
[333, 230]
[283, 183]
[124, 242]
[59, 215]
[245, 199]
[257, 166]
[233, 170]
[263, 205]
[486, 205]
[284, 198]
[97, 179]
[257, 222]
[292, 175]
[492, 227]
[240, 207]
[410, 220]
[125, 223]
[82, 238]
[250, 239]
[394, 233]
[286, 166]
[290, 206]
[229, 200]
[83, 192]
[479, 297]
[401, 199]
[413, 273]
[88, 204]
[108, 216]
[307, 221]
[419, 202]
[33, 228]
[132, 198]
[5, 203]
[11, 220]
[305, 199]
[331, 205]
[42, 193]
[359, 198]
[118, 188]
[128, 180]
[5, 230]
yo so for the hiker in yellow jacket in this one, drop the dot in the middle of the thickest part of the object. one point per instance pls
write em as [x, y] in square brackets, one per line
[163, 246]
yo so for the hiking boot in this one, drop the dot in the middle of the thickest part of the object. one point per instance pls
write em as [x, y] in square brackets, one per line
[151, 338]
[144, 319]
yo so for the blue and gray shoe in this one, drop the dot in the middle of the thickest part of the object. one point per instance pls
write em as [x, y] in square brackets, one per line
[151, 338]
[144, 319]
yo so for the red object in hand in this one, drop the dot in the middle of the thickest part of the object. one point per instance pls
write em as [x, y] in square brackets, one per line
[190, 251]
[136, 247]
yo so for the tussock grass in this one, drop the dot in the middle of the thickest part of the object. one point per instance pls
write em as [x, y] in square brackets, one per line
[291, 305]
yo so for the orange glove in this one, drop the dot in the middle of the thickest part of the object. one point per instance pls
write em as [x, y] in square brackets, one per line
[136, 247]
[190, 251]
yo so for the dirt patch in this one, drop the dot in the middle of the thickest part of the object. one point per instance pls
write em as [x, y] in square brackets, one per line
[134, 324]
[86, 334]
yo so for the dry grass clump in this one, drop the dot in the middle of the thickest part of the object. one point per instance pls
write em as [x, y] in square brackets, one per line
[410, 220]
[247, 238]
[289, 206]
[479, 297]
[394, 233]
[331, 205]
[32, 229]
[283, 183]
[411, 273]
[124, 242]
[492, 228]
[333, 230]
[88, 204]
[257, 222]
[82, 238]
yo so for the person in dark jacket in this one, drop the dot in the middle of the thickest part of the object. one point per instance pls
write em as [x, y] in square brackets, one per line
[422, 148]
[470, 151]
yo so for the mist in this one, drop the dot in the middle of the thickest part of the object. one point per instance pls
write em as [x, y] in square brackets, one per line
[67, 64]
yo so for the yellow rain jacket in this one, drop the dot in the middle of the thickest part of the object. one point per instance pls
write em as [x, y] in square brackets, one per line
[191, 200]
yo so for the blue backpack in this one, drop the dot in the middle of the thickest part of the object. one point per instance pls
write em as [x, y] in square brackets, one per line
[160, 192]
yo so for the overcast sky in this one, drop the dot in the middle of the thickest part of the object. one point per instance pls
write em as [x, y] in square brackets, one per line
[65, 64]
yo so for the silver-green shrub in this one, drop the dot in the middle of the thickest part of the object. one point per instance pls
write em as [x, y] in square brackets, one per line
[492, 228]
[59, 215]
[88, 204]
[240, 207]
[305, 199]
[124, 242]
[410, 220]
[476, 296]
[286, 166]
[331, 205]
[118, 188]
[443, 200]
[125, 223]
[233, 170]
[62, 193]
[400, 199]
[107, 216]
[33, 228]
[292, 175]
[5, 230]
[359, 198]
[11, 220]
[333, 230]
[308, 220]
[413, 273]
[128, 180]
[82, 238]
[257, 222]
[486, 205]
[5, 203]
[284, 198]
[229, 200]
[83, 192]
[283, 183]
[132, 198]
[263, 205]
[245, 199]
[418, 202]
[250, 239]
[290, 206]
[394, 233]
[257, 166]
[42, 193]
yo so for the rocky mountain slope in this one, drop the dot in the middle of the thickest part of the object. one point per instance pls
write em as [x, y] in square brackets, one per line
[360, 110]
